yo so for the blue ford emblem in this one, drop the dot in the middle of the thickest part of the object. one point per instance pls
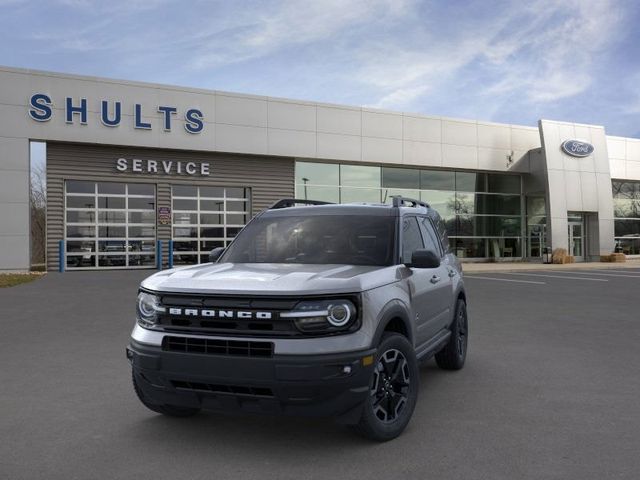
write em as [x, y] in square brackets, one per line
[576, 148]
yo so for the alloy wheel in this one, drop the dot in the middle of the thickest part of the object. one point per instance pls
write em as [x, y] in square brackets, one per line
[390, 387]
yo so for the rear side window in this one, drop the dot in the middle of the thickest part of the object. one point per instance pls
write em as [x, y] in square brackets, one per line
[411, 238]
[441, 230]
[431, 240]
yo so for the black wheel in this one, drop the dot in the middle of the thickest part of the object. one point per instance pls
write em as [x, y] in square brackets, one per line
[170, 410]
[393, 390]
[453, 355]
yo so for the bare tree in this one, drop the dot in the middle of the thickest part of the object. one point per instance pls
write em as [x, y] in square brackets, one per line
[38, 205]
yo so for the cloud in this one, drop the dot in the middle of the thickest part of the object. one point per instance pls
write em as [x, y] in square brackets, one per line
[502, 60]
[552, 57]
[257, 33]
[542, 52]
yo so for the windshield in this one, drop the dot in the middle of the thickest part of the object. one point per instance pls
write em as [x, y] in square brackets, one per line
[320, 239]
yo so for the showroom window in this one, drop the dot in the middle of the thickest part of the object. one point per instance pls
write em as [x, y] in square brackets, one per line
[205, 218]
[483, 212]
[626, 212]
[109, 225]
[536, 226]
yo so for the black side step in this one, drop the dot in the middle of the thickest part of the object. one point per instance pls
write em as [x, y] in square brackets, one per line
[434, 345]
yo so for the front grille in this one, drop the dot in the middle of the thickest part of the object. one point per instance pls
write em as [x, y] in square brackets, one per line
[271, 327]
[217, 346]
[237, 316]
[215, 388]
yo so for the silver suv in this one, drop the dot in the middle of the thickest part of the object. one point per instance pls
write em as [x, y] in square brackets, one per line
[320, 309]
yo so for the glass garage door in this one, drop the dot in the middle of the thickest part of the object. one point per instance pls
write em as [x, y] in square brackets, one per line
[109, 225]
[205, 218]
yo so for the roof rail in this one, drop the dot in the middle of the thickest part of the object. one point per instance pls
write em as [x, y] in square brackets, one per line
[400, 201]
[292, 202]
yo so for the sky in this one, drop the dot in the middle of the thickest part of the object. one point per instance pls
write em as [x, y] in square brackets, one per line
[502, 61]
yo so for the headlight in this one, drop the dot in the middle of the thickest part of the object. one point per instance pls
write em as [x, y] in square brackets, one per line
[148, 308]
[323, 316]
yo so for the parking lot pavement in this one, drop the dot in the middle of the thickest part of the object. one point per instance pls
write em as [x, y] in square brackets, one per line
[540, 276]
[550, 391]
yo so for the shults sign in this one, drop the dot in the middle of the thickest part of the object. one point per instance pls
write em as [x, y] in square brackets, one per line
[41, 109]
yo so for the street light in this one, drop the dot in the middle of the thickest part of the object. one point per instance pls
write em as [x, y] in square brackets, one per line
[305, 180]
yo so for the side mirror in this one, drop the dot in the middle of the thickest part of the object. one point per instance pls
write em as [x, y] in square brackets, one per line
[424, 259]
[214, 254]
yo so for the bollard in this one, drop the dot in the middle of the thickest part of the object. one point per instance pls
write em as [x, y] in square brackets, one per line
[159, 254]
[61, 259]
[170, 259]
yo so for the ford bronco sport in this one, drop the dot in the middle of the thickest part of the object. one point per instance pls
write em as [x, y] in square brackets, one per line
[320, 309]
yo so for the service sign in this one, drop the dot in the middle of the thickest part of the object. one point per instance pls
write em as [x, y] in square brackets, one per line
[162, 167]
[577, 148]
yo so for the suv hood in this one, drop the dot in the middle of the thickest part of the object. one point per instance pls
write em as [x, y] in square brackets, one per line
[271, 278]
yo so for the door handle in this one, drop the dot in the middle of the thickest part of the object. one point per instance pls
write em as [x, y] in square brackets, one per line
[452, 273]
[435, 279]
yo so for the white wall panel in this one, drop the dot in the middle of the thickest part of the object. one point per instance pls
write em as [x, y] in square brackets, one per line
[244, 111]
[422, 153]
[292, 143]
[345, 121]
[339, 147]
[381, 125]
[633, 150]
[291, 116]
[616, 147]
[494, 136]
[422, 129]
[381, 150]
[459, 133]
[235, 138]
[456, 156]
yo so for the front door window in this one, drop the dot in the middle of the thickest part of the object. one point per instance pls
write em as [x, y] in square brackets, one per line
[576, 235]
[575, 239]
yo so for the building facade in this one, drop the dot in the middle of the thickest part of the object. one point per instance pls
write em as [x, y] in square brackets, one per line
[141, 174]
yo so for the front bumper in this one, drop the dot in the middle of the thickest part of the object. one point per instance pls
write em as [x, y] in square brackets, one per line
[307, 385]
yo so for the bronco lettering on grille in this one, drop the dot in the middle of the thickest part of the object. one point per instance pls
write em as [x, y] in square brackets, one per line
[212, 313]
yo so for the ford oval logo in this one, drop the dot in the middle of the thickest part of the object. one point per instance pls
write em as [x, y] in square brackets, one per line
[576, 148]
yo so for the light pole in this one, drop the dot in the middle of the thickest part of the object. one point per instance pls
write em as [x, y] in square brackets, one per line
[305, 180]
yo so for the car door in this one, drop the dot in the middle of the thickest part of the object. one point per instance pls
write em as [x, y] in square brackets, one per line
[426, 285]
[445, 274]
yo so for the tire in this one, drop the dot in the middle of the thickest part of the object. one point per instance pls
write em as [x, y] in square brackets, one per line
[454, 354]
[393, 390]
[169, 410]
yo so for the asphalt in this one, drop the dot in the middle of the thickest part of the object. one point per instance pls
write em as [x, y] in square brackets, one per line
[550, 391]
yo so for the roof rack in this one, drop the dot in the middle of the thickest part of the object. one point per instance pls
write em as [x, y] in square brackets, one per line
[400, 201]
[292, 202]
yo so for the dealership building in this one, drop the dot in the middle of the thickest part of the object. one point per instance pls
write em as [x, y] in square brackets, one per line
[140, 175]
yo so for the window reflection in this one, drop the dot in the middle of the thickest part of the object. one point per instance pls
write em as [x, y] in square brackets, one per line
[482, 212]
[317, 173]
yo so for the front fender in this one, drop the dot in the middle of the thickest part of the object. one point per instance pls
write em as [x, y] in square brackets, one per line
[392, 310]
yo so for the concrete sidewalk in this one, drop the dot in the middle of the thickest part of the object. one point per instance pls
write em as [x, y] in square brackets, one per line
[524, 266]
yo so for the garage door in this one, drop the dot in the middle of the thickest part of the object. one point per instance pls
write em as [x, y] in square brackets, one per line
[109, 225]
[205, 218]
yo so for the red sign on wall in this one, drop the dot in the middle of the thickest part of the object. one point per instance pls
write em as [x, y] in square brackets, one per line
[164, 216]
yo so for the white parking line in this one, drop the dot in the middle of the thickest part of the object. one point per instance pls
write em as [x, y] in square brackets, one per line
[556, 276]
[615, 271]
[603, 274]
[504, 279]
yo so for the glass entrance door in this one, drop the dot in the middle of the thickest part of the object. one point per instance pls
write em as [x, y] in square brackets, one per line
[576, 237]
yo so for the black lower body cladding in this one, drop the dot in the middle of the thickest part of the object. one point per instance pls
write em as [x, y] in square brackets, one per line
[300, 385]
